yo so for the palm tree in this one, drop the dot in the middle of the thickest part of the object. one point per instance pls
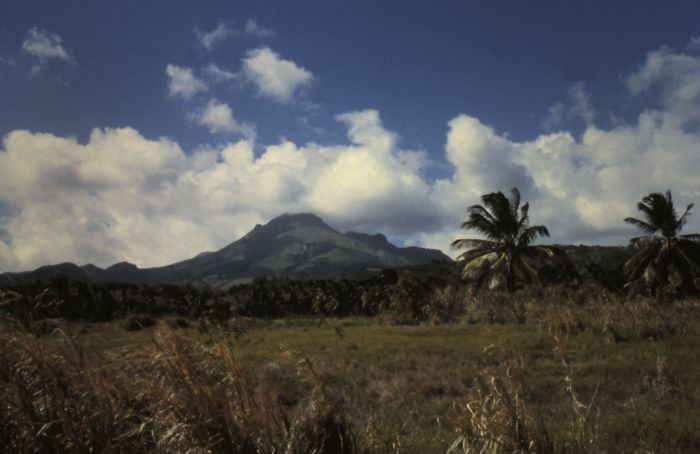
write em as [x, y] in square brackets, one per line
[665, 260]
[506, 253]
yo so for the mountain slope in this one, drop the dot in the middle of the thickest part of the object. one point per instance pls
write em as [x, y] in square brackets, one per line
[291, 245]
[302, 246]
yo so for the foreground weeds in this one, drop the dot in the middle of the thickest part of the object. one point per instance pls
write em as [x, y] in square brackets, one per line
[556, 370]
[498, 417]
[175, 396]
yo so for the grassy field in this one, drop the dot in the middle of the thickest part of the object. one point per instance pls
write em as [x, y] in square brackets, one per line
[527, 377]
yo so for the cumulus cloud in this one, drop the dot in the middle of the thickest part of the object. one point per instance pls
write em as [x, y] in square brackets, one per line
[275, 77]
[583, 188]
[580, 189]
[44, 46]
[183, 83]
[121, 196]
[209, 40]
[218, 118]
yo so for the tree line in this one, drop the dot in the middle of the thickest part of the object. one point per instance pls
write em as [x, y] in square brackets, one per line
[665, 262]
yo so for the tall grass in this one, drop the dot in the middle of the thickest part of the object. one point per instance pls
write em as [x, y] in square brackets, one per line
[573, 310]
[500, 419]
[174, 394]
[177, 396]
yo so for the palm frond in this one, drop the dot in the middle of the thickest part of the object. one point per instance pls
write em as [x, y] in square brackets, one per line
[524, 218]
[483, 225]
[531, 233]
[479, 209]
[470, 243]
[514, 202]
[684, 218]
[659, 211]
[505, 224]
[643, 226]
[488, 272]
[685, 267]
[688, 259]
[501, 210]
[644, 241]
[634, 267]
[499, 268]
[541, 251]
[494, 201]
[529, 271]
[473, 254]
[691, 237]
[691, 249]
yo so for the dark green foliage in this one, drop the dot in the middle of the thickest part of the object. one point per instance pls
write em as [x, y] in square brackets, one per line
[506, 257]
[408, 296]
[666, 263]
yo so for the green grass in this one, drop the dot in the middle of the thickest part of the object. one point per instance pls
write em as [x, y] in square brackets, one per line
[404, 388]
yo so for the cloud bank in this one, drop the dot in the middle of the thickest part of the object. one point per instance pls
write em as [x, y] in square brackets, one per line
[122, 196]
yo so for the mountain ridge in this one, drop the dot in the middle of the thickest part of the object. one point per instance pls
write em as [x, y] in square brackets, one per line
[298, 245]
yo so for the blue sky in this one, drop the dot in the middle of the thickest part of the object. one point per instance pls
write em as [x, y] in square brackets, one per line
[150, 131]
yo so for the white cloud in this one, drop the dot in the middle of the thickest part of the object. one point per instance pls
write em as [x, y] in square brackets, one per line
[254, 29]
[218, 118]
[210, 39]
[121, 196]
[579, 107]
[275, 77]
[44, 46]
[580, 189]
[182, 82]
[581, 104]
[218, 75]
[223, 31]
[554, 117]
[673, 79]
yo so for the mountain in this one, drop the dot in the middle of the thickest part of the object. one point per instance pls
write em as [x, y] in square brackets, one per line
[291, 245]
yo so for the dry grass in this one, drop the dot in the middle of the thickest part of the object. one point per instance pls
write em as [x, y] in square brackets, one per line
[556, 370]
[561, 309]
[499, 419]
[176, 396]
